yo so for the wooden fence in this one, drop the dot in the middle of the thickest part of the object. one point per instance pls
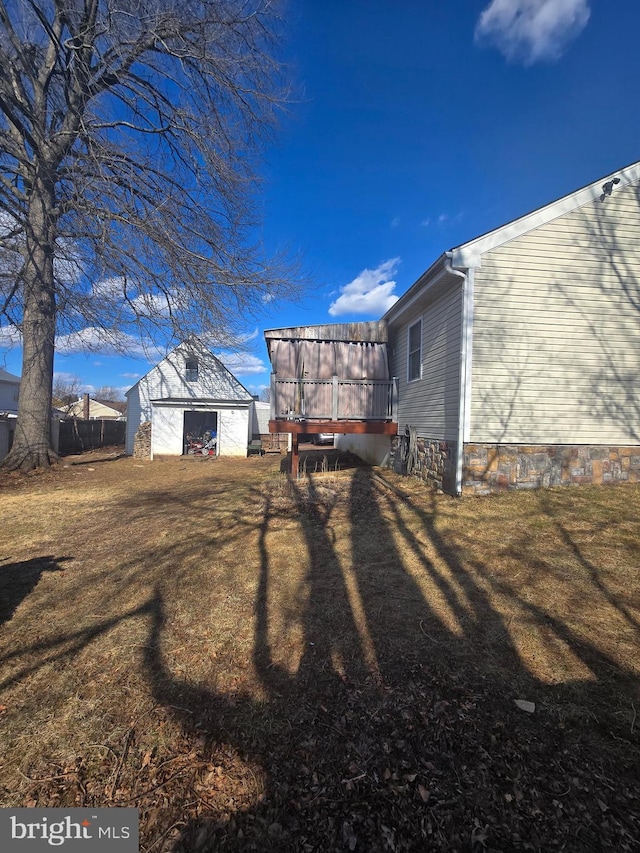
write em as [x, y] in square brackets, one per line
[77, 435]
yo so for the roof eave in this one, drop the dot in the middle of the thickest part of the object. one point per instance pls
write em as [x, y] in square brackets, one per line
[426, 280]
[469, 254]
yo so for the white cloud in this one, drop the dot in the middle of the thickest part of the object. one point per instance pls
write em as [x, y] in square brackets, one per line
[371, 292]
[90, 339]
[395, 222]
[425, 223]
[156, 305]
[9, 337]
[94, 339]
[242, 363]
[108, 289]
[532, 30]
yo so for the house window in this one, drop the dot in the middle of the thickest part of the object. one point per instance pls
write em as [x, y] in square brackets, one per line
[191, 370]
[414, 361]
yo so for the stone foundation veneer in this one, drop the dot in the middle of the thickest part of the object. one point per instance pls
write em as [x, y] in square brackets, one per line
[496, 467]
[436, 463]
[491, 468]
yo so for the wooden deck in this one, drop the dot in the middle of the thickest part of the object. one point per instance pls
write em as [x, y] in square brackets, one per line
[308, 427]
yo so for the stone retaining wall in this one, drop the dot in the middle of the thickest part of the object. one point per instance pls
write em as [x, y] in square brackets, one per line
[496, 467]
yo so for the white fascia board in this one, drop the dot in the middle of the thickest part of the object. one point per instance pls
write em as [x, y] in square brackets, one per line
[469, 254]
[200, 403]
[417, 290]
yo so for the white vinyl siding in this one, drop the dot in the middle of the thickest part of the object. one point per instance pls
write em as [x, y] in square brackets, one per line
[9, 393]
[167, 434]
[556, 335]
[431, 403]
[164, 394]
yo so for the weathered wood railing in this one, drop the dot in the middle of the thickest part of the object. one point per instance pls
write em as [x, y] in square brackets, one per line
[334, 399]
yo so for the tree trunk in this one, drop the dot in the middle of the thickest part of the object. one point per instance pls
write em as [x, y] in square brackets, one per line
[32, 442]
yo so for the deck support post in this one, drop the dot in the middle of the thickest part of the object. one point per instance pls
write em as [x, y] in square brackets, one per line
[295, 458]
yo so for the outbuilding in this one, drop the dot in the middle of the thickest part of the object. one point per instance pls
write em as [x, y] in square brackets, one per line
[190, 397]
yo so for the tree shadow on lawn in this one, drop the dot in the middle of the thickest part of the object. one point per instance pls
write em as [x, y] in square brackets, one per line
[18, 580]
[397, 730]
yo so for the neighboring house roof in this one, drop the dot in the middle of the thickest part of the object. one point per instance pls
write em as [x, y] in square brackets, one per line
[469, 254]
[9, 377]
[97, 409]
[117, 405]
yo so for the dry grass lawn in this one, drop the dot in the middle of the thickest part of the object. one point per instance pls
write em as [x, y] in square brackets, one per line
[330, 664]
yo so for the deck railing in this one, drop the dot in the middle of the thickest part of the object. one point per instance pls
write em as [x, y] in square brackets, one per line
[334, 399]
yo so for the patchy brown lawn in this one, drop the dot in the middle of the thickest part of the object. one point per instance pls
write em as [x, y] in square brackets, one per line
[324, 665]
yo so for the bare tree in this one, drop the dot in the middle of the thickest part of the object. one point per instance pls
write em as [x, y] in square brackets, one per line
[108, 394]
[130, 134]
[66, 392]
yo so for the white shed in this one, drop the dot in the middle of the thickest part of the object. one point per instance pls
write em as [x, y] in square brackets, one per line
[190, 393]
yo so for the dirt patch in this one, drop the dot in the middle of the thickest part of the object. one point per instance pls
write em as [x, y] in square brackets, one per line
[323, 664]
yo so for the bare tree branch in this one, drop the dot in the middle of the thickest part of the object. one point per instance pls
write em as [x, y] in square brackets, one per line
[130, 133]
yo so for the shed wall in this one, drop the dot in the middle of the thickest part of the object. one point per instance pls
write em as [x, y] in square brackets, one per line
[167, 432]
[138, 411]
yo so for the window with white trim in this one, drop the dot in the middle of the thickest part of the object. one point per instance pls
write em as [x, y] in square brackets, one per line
[414, 346]
[191, 369]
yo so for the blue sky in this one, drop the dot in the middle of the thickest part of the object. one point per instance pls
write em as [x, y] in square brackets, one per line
[414, 127]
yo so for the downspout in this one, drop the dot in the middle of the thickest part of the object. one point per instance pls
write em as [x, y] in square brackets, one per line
[465, 372]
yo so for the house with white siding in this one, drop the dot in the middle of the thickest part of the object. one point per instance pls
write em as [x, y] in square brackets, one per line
[187, 395]
[9, 393]
[517, 354]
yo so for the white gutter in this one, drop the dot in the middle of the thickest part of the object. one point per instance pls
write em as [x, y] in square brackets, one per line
[464, 392]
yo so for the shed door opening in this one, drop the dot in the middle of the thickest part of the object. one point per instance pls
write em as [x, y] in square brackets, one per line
[200, 437]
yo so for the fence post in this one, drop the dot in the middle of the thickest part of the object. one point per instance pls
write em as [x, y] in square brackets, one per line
[272, 397]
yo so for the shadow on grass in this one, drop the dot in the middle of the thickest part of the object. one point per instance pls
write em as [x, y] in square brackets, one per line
[398, 730]
[18, 580]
